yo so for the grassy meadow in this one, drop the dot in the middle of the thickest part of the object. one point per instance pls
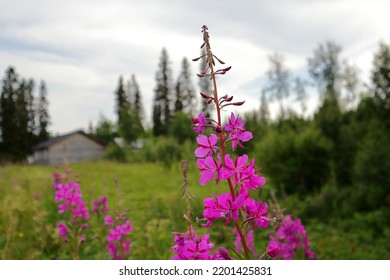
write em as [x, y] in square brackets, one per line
[152, 195]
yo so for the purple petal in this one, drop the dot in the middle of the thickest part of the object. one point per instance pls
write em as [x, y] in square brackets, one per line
[202, 140]
[201, 152]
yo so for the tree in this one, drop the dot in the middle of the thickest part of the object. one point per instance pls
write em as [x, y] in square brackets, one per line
[300, 92]
[120, 95]
[326, 70]
[105, 130]
[31, 111]
[137, 98]
[380, 76]
[205, 86]
[185, 92]
[21, 143]
[9, 130]
[264, 110]
[43, 113]
[278, 81]
[162, 99]
[351, 84]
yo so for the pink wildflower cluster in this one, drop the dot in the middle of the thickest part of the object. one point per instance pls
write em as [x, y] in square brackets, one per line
[99, 206]
[69, 199]
[191, 247]
[290, 237]
[240, 174]
[118, 241]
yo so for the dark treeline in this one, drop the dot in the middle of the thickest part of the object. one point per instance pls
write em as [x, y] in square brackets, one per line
[24, 116]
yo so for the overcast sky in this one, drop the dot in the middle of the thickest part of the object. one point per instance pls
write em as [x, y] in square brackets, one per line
[79, 48]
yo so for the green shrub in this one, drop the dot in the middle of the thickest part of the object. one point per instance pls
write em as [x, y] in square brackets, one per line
[296, 161]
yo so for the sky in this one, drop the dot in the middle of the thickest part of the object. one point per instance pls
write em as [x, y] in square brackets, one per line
[80, 48]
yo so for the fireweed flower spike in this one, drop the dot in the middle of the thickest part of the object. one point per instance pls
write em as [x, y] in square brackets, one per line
[235, 207]
[291, 236]
[70, 203]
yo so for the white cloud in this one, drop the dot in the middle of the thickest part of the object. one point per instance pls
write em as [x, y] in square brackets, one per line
[81, 47]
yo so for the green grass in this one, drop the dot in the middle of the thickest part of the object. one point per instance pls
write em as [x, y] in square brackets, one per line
[152, 196]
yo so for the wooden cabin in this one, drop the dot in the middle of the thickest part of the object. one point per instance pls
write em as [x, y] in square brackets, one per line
[74, 146]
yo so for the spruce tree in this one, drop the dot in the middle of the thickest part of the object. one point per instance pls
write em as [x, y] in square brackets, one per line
[130, 124]
[120, 96]
[21, 143]
[42, 113]
[162, 101]
[185, 91]
[137, 97]
[8, 128]
[31, 111]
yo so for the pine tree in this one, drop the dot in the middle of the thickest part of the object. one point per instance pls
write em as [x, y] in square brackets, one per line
[31, 110]
[162, 100]
[22, 143]
[185, 92]
[42, 113]
[137, 97]
[8, 128]
[130, 125]
[120, 95]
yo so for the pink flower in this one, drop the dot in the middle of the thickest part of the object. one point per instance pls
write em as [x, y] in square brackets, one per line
[242, 174]
[291, 236]
[238, 133]
[199, 123]
[118, 242]
[221, 254]
[221, 206]
[70, 196]
[100, 205]
[209, 169]
[191, 247]
[108, 221]
[234, 169]
[257, 211]
[273, 249]
[206, 145]
[63, 231]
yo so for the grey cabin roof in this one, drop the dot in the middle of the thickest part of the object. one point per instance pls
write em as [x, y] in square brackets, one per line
[46, 144]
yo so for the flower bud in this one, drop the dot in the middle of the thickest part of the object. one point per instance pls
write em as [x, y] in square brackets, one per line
[204, 95]
[273, 249]
[238, 103]
[194, 120]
